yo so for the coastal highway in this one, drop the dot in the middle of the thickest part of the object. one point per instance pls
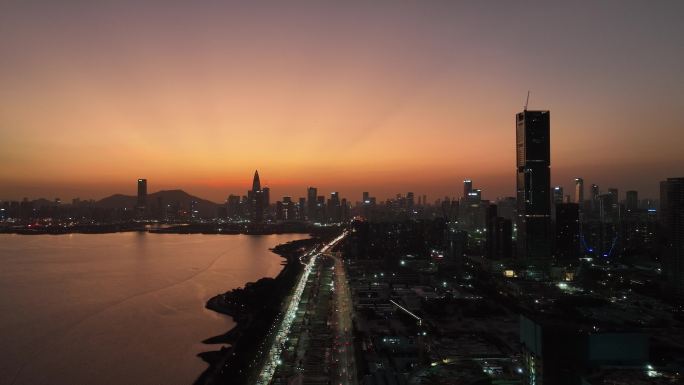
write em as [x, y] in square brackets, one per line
[346, 373]
[273, 356]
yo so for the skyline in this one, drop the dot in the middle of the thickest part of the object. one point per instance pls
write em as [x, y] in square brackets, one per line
[197, 98]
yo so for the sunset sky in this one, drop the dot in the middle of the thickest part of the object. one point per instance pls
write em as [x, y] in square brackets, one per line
[349, 96]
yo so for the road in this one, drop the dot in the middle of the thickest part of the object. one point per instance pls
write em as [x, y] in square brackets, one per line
[345, 339]
[273, 355]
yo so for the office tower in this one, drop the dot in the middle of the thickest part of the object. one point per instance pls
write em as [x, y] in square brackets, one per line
[425, 200]
[141, 204]
[672, 208]
[311, 194]
[533, 155]
[614, 192]
[506, 207]
[285, 209]
[301, 207]
[567, 232]
[558, 194]
[320, 209]
[366, 197]
[595, 192]
[409, 200]
[256, 183]
[579, 191]
[142, 193]
[334, 209]
[233, 206]
[499, 235]
[344, 210]
[266, 192]
[632, 201]
[467, 187]
[256, 200]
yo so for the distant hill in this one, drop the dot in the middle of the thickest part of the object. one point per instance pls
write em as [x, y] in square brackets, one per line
[119, 201]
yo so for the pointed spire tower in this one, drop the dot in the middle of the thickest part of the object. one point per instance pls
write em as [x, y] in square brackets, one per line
[256, 184]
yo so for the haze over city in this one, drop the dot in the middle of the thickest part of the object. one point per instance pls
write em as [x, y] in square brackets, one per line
[384, 97]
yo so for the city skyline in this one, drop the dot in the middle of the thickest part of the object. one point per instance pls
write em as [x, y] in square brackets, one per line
[380, 108]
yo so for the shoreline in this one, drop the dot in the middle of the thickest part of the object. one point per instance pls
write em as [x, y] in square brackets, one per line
[254, 309]
[178, 228]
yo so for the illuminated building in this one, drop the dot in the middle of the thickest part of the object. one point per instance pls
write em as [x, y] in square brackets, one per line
[579, 191]
[467, 187]
[558, 194]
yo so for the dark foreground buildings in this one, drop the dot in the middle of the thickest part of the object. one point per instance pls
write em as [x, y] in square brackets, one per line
[672, 214]
[533, 162]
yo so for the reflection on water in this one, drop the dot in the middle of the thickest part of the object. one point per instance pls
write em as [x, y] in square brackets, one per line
[118, 308]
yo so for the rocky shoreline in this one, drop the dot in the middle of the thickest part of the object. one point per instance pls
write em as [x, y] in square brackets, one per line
[254, 308]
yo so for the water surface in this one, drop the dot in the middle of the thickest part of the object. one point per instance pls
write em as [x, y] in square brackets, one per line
[124, 308]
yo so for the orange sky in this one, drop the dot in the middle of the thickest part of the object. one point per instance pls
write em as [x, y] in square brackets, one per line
[385, 97]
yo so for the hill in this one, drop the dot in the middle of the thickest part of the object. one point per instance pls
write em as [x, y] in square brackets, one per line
[168, 197]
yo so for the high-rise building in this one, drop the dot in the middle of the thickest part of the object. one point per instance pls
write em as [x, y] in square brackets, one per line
[311, 194]
[233, 206]
[301, 207]
[567, 232]
[467, 187]
[256, 182]
[672, 208]
[632, 201]
[266, 192]
[142, 193]
[579, 191]
[533, 155]
[334, 208]
[499, 235]
[558, 194]
[256, 199]
[141, 204]
[595, 192]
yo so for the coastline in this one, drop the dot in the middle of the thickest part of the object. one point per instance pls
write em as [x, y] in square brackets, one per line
[156, 228]
[254, 308]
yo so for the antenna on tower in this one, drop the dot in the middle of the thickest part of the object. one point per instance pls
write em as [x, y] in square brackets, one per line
[527, 100]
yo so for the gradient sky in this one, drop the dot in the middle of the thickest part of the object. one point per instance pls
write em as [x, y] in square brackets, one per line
[385, 96]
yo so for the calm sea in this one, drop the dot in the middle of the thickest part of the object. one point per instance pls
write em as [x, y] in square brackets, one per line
[125, 308]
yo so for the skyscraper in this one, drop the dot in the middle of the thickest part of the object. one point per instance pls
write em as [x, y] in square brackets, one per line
[533, 155]
[567, 232]
[632, 201]
[311, 194]
[266, 193]
[672, 208]
[256, 183]
[141, 205]
[595, 192]
[558, 194]
[467, 187]
[579, 191]
[142, 193]
[256, 199]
